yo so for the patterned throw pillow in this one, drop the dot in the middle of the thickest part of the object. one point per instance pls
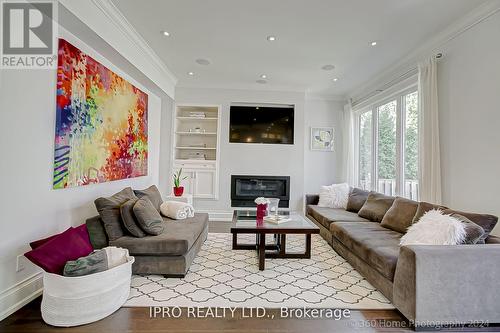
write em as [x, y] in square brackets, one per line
[435, 228]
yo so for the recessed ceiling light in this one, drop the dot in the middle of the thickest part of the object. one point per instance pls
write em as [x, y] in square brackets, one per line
[263, 76]
[166, 33]
[261, 81]
[335, 79]
[271, 38]
[328, 67]
[373, 43]
[202, 61]
[190, 73]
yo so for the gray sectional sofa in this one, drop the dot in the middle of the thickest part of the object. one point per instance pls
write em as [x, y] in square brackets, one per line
[170, 253]
[430, 285]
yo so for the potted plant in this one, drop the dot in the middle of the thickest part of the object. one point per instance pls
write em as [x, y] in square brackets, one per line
[178, 189]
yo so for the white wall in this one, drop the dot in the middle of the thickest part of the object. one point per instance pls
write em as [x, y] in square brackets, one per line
[308, 169]
[469, 106]
[322, 168]
[252, 159]
[30, 208]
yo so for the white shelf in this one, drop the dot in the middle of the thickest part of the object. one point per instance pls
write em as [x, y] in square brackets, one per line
[187, 133]
[187, 160]
[196, 133]
[197, 148]
[196, 119]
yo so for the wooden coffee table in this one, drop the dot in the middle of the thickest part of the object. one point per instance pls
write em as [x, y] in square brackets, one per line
[245, 222]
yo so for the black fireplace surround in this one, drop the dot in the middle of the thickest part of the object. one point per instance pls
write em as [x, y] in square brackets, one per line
[244, 189]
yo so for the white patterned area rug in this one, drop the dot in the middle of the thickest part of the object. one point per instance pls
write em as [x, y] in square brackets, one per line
[222, 277]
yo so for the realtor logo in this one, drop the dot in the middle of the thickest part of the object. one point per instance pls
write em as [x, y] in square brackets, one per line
[28, 34]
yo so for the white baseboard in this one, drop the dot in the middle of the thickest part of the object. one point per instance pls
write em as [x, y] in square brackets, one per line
[218, 215]
[20, 294]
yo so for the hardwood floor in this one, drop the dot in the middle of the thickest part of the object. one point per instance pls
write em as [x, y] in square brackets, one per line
[28, 319]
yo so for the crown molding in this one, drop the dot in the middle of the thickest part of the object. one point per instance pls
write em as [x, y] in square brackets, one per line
[311, 96]
[433, 45]
[106, 20]
[119, 20]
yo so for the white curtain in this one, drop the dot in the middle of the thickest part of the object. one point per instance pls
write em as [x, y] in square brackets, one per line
[429, 155]
[348, 152]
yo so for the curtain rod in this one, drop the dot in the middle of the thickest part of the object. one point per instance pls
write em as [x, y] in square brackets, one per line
[412, 71]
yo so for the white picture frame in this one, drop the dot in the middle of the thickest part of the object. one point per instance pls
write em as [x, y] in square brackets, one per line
[322, 138]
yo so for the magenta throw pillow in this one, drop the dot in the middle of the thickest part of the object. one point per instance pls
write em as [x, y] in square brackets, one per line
[40, 242]
[53, 255]
[82, 231]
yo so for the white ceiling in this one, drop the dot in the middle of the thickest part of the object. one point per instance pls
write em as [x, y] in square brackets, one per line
[310, 33]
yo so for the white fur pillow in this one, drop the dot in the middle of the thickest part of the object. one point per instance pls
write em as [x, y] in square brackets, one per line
[435, 228]
[334, 196]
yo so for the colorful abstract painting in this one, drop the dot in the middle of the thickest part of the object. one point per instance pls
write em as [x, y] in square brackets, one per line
[102, 123]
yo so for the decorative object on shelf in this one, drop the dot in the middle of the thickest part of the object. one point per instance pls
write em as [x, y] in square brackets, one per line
[272, 206]
[262, 204]
[196, 130]
[197, 156]
[101, 131]
[178, 189]
[322, 138]
[197, 114]
[198, 145]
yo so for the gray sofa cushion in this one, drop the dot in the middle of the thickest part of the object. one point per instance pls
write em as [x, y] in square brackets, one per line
[97, 234]
[147, 216]
[325, 215]
[474, 232]
[400, 216]
[177, 237]
[424, 207]
[129, 220]
[376, 206]
[485, 221]
[357, 199]
[109, 210]
[152, 194]
[376, 245]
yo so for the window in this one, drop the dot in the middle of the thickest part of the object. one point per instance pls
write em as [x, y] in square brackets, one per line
[365, 150]
[388, 146]
[411, 145]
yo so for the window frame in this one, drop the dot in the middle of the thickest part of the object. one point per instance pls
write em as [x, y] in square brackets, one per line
[373, 106]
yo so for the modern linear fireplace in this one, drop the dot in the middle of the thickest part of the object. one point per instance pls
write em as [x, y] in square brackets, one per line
[244, 189]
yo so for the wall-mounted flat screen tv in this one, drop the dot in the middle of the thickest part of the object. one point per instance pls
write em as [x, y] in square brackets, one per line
[272, 124]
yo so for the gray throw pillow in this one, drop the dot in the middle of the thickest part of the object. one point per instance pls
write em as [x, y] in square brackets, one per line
[152, 194]
[129, 220]
[485, 221]
[400, 216]
[475, 234]
[375, 207]
[356, 200]
[424, 207]
[109, 210]
[148, 217]
[95, 262]
[97, 234]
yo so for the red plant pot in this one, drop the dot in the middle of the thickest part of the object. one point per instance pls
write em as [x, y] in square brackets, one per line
[261, 211]
[178, 191]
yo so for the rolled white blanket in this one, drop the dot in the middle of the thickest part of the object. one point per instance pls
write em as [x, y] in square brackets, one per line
[176, 210]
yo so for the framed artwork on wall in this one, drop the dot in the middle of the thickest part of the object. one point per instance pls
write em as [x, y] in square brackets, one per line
[101, 130]
[322, 138]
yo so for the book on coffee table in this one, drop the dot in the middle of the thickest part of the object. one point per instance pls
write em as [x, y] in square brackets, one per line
[277, 219]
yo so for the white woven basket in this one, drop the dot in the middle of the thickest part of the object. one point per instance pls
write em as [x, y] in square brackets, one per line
[72, 301]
